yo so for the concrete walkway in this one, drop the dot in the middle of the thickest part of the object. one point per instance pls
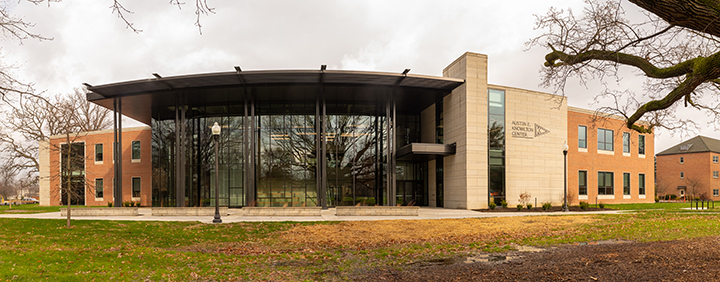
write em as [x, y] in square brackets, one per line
[234, 215]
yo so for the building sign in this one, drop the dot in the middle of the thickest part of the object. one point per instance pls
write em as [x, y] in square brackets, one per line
[527, 130]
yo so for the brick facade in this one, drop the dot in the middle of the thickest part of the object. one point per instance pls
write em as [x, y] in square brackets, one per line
[616, 161]
[141, 168]
[691, 173]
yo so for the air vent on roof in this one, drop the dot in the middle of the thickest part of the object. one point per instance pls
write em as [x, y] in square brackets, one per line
[685, 147]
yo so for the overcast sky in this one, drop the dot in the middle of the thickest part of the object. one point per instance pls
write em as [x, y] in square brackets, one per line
[91, 45]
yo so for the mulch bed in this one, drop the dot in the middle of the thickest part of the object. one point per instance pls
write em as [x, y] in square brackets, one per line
[553, 209]
[682, 260]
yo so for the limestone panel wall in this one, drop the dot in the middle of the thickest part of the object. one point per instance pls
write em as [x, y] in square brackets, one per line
[536, 129]
[465, 123]
[44, 162]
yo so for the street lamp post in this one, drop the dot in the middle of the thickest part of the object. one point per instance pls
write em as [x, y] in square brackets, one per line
[216, 136]
[565, 150]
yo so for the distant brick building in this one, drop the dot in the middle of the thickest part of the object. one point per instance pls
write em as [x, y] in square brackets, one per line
[690, 168]
[607, 162]
[94, 169]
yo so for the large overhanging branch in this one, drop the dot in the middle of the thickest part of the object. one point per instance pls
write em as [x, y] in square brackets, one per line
[700, 15]
[683, 90]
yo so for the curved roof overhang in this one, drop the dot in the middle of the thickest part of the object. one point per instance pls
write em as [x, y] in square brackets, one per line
[140, 96]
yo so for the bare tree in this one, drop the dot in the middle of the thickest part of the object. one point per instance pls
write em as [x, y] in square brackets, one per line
[694, 184]
[675, 46]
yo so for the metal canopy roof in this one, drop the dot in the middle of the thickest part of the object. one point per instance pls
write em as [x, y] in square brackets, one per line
[140, 95]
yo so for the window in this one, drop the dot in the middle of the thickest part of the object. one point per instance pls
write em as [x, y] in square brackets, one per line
[582, 136]
[582, 181]
[98, 152]
[135, 150]
[641, 184]
[626, 142]
[605, 183]
[605, 139]
[682, 174]
[641, 144]
[716, 192]
[682, 160]
[715, 159]
[626, 183]
[136, 187]
[715, 174]
[98, 187]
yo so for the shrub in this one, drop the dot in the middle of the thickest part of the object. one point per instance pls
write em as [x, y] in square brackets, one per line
[110, 204]
[127, 204]
[546, 206]
[519, 207]
[584, 205]
[601, 205]
[492, 206]
[673, 196]
[525, 198]
[529, 206]
[504, 204]
[657, 200]
[137, 204]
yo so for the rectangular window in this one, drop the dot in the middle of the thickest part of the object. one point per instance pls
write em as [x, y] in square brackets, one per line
[641, 144]
[715, 159]
[605, 183]
[626, 142]
[715, 174]
[682, 160]
[98, 187]
[605, 139]
[582, 136]
[135, 150]
[582, 181]
[641, 184]
[98, 152]
[136, 187]
[716, 192]
[682, 174]
[626, 183]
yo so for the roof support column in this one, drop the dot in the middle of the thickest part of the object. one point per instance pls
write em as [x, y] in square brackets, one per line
[117, 152]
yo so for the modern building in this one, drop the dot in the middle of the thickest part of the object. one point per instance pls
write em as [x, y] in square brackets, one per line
[332, 138]
[607, 162]
[690, 169]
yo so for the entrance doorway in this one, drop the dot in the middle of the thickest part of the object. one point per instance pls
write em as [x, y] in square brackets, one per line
[410, 193]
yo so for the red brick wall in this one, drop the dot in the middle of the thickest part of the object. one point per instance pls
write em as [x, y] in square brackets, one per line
[592, 161]
[695, 166]
[104, 169]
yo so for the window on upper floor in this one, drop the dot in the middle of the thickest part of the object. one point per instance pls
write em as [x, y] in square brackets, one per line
[98, 152]
[682, 160]
[626, 142]
[682, 174]
[582, 183]
[605, 183]
[605, 139]
[641, 144]
[135, 150]
[715, 159]
[582, 136]
[715, 174]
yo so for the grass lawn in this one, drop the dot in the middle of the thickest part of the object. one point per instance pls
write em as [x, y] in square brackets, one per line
[36, 249]
[651, 206]
[31, 208]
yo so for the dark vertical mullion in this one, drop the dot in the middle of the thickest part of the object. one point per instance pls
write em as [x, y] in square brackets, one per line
[393, 143]
[118, 198]
[323, 127]
[117, 202]
[253, 158]
[318, 159]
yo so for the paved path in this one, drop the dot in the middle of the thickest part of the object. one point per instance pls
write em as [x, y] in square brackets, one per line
[234, 215]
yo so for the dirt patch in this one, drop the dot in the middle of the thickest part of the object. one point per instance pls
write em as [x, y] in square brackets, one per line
[692, 260]
[369, 234]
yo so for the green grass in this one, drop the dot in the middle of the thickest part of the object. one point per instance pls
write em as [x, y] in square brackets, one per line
[32, 208]
[35, 249]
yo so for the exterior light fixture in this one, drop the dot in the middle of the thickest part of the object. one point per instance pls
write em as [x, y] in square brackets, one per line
[565, 151]
[216, 136]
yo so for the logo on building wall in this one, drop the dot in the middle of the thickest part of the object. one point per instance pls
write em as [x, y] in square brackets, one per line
[527, 130]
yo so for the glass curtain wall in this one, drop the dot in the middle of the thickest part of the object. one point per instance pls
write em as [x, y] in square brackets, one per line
[280, 139]
[496, 145]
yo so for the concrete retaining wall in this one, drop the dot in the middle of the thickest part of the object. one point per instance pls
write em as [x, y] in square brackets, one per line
[187, 211]
[281, 211]
[377, 211]
[120, 211]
